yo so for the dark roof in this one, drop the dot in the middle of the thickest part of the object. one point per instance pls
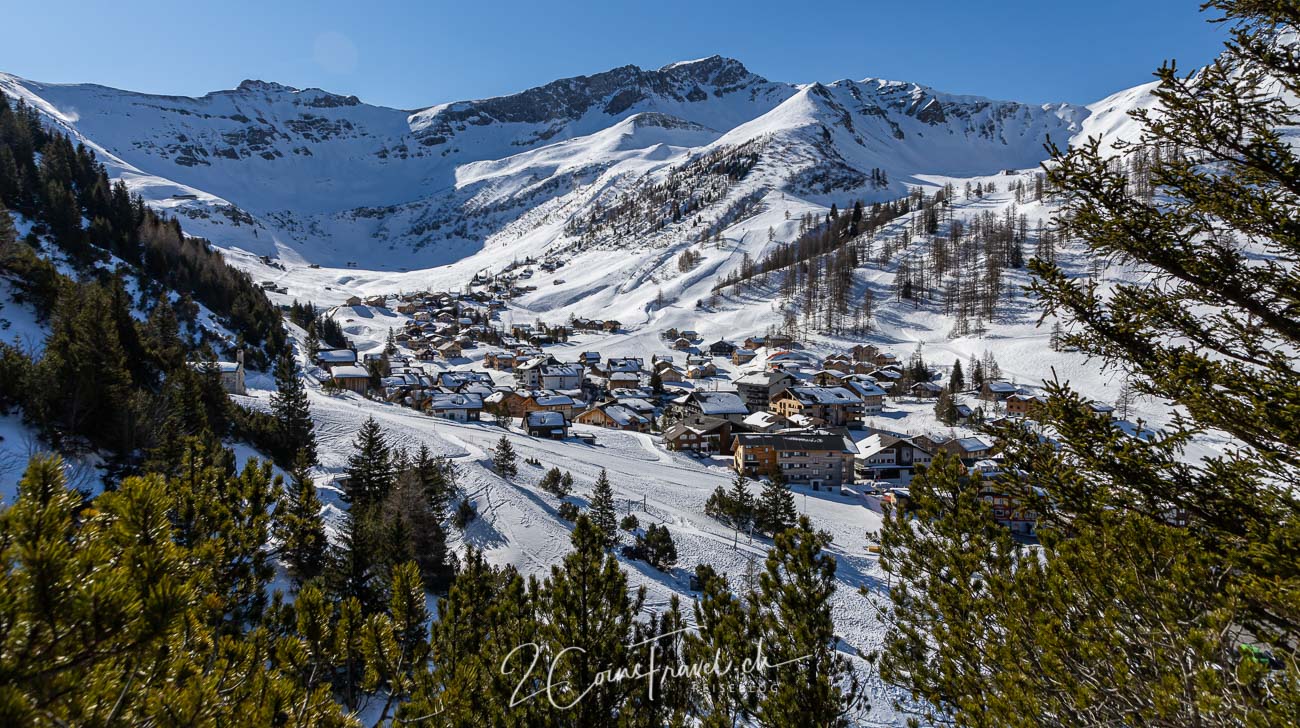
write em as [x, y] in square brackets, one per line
[793, 440]
[699, 425]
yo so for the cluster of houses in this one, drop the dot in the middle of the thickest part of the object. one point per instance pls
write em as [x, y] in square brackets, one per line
[793, 415]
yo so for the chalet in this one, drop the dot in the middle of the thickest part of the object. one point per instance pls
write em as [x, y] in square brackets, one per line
[550, 402]
[589, 358]
[350, 376]
[764, 421]
[458, 407]
[624, 364]
[624, 379]
[968, 449]
[1013, 511]
[682, 343]
[828, 378]
[611, 326]
[700, 371]
[926, 390]
[964, 413]
[459, 380]
[830, 406]
[758, 388]
[813, 458]
[781, 341]
[997, 391]
[353, 301]
[231, 372]
[864, 353]
[1101, 408]
[742, 356]
[755, 342]
[450, 350]
[1023, 405]
[550, 425]
[615, 416]
[670, 374]
[721, 348]
[701, 434]
[838, 363]
[727, 405]
[888, 457]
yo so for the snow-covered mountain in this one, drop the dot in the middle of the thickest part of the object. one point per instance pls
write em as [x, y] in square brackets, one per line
[312, 176]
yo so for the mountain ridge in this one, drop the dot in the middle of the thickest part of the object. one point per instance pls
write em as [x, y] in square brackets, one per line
[328, 178]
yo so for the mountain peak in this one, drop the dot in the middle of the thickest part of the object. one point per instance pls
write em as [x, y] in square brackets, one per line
[250, 84]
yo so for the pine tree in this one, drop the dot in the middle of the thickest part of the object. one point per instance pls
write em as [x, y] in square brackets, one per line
[370, 468]
[298, 526]
[1163, 582]
[295, 430]
[740, 504]
[957, 380]
[817, 686]
[603, 514]
[945, 408]
[503, 458]
[227, 514]
[101, 596]
[725, 633]
[657, 547]
[588, 611]
[775, 511]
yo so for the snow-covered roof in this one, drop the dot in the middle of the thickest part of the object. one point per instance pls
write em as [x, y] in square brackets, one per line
[545, 418]
[336, 356]
[440, 401]
[622, 415]
[719, 403]
[349, 372]
[825, 395]
[804, 440]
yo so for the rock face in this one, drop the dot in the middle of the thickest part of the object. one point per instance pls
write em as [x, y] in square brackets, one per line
[333, 178]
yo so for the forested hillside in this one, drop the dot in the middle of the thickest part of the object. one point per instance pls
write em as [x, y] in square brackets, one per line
[119, 289]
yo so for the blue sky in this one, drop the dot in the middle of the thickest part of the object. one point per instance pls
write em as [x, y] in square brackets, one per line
[411, 55]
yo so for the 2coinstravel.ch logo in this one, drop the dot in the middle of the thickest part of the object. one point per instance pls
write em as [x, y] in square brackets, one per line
[542, 670]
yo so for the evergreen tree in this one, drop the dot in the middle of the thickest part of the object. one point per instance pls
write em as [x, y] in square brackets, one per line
[588, 611]
[298, 526]
[1161, 593]
[726, 632]
[945, 408]
[503, 458]
[957, 380]
[775, 512]
[603, 514]
[294, 427]
[740, 504]
[114, 619]
[414, 532]
[817, 686]
[657, 547]
[227, 516]
[370, 468]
